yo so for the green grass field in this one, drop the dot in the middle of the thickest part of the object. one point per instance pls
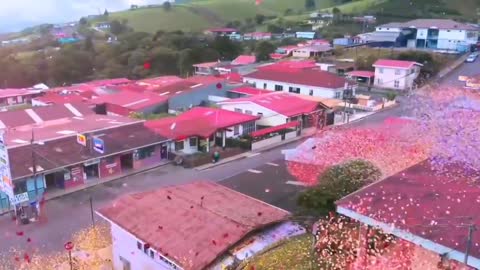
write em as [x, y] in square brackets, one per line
[197, 15]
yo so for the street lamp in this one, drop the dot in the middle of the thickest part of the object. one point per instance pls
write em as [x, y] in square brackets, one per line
[69, 247]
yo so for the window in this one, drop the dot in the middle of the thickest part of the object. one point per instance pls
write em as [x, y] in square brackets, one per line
[139, 245]
[238, 110]
[179, 145]
[264, 86]
[338, 94]
[145, 152]
[396, 84]
[193, 141]
[248, 112]
[248, 128]
[236, 130]
[152, 254]
[278, 87]
[379, 81]
[398, 72]
[260, 114]
[294, 90]
[311, 92]
[20, 187]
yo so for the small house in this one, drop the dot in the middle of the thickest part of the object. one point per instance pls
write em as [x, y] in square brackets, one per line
[396, 74]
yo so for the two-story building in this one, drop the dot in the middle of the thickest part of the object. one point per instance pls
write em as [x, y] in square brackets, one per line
[436, 34]
[305, 81]
[396, 74]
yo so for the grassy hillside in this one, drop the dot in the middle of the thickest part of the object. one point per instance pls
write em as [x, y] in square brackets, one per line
[200, 14]
[196, 15]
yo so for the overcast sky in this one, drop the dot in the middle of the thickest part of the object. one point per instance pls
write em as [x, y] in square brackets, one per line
[18, 14]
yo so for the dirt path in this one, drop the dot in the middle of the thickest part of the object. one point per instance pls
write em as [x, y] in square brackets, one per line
[209, 15]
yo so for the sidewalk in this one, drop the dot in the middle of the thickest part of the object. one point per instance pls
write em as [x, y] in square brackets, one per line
[306, 133]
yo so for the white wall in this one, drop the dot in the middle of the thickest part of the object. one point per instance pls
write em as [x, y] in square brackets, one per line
[125, 245]
[302, 53]
[269, 118]
[304, 89]
[452, 34]
[38, 103]
[422, 33]
[187, 149]
[387, 78]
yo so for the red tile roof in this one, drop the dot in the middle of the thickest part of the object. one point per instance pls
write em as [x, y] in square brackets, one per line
[246, 90]
[309, 77]
[233, 77]
[131, 100]
[205, 79]
[160, 81]
[427, 203]
[290, 65]
[199, 121]
[59, 98]
[283, 103]
[6, 93]
[361, 73]
[278, 56]
[244, 60]
[176, 221]
[394, 63]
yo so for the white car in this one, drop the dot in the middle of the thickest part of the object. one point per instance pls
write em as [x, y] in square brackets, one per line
[471, 59]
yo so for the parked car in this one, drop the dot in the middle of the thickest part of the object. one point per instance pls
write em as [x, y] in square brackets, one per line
[471, 59]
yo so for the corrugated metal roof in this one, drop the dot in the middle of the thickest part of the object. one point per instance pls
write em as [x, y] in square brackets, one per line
[199, 221]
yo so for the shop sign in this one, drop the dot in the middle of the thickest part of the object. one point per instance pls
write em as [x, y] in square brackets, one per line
[82, 139]
[99, 145]
[6, 184]
[20, 198]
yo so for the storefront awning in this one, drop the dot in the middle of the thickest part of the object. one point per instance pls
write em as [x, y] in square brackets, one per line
[266, 131]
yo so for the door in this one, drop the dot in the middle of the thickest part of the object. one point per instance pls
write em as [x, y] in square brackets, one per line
[91, 171]
[126, 161]
[163, 151]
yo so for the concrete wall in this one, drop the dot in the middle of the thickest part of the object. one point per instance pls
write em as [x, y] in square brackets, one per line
[187, 149]
[125, 246]
[304, 89]
[269, 117]
[386, 77]
[266, 142]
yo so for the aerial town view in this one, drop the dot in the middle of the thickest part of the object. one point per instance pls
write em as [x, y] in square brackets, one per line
[240, 135]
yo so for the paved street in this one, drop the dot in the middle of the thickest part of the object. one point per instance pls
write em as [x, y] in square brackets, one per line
[467, 69]
[262, 176]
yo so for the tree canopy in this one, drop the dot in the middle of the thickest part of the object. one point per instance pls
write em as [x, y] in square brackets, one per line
[337, 182]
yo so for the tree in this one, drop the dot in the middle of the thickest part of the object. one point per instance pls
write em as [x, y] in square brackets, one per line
[274, 28]
[167, 6]
[337, 13]
[83, 21]
[117, 27]
[263, 50]
[226, 48]
[391, 96]
[288, 11]
[88, 45]
[337, 182]
[105, 14]
[309, 4]
[259, 18]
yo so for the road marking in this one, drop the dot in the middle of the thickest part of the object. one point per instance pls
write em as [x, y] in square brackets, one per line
[254, 154]
[254, 171]
[272, 164]
[296, 183]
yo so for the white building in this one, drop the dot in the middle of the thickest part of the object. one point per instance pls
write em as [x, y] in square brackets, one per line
[191, 227]
[200, 128]
[436, 34]
[396, 74]
[274, 108]
[304, 81]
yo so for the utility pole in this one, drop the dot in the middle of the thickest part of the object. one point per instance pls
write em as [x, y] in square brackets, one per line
[91, 211]
[471, 229]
